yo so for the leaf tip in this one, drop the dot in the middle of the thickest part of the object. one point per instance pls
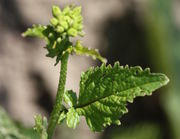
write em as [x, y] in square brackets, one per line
[23, 34]
[104, 60]
[165, 79]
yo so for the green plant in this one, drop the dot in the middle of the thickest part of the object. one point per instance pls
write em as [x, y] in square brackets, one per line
[104, 91]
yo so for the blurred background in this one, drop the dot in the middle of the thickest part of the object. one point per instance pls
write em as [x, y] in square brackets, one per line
[134, 32]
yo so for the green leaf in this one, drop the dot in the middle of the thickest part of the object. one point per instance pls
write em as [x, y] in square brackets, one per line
[72, 118]
[41, 126]
[61, 117]
[35, 31]
[8, 129]
[105, 91]
[81, 50]
[70, 98]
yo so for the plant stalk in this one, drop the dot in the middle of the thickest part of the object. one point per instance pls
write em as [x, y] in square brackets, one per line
[59, 97]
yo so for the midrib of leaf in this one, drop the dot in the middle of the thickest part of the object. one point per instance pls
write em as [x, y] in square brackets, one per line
[100, 98]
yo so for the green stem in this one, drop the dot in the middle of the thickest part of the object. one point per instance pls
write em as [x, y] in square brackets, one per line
[59, 97]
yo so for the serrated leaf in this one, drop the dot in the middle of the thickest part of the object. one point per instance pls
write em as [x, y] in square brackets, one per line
[35, 31]
[81, 50]
[70, 98]
[72, 118]
[105, 91]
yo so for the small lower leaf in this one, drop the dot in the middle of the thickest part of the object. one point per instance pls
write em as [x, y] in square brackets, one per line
[70, 98]
[81, 50]
[41, 126]
[8, 129]
[72, 118]
[35, 31]
[61, 117]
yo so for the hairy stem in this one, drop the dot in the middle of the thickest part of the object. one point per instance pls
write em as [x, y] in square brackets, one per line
[60, 92]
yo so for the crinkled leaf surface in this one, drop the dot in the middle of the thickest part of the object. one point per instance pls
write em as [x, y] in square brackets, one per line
[105, 91]
[72, 118]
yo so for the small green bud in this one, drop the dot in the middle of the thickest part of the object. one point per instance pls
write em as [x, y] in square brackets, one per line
[117, 122]
[54, 22]
[60, 29]
[67, 10]
[64, 35]
[78, 44]
[77, 11]
[72, 32]
[73, 16]
[56, 11]
[59, 39]
[64, 24]
[51, 35]
[75, 25]
[80, 27]
[79, 19]
[69, 20]
[82, 33]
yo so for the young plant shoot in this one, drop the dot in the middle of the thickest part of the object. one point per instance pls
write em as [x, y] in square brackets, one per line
[104, 91]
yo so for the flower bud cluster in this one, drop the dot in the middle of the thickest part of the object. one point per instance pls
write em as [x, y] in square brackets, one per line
[67, 22]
